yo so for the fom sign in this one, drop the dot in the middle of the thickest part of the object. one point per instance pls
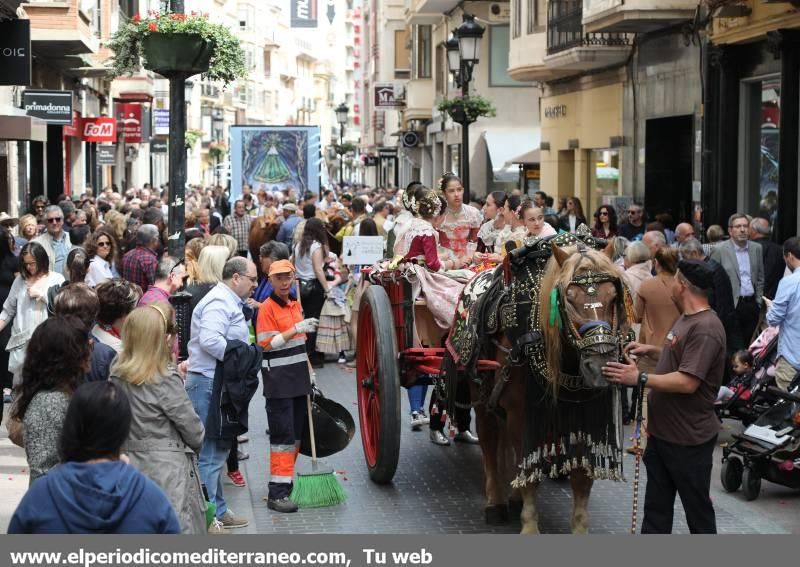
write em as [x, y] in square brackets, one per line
[103, 129]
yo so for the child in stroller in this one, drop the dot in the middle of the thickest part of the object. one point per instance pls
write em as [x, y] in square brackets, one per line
[753, 370]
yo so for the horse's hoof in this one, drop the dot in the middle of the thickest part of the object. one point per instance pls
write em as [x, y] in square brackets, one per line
[496, 515]
[530, 530]
[514, 509]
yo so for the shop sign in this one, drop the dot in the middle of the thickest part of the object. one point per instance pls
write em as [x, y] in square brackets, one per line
[73, 130]
[160, 122]
[129, 115]
[15, 52]
[107, 155]
[54, 107]
[386, 97]
[304, 13]
[557, 111]
[103, 129]
[158, 146]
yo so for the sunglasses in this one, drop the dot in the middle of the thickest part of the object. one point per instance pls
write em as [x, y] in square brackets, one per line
[632, 212]
[603, 213]
[55, 220]
[104, 244]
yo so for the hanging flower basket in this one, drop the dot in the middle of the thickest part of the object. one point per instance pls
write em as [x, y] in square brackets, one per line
[183, 52]
[217, 150]
[467, 109]
[191, 138]
[168, 43]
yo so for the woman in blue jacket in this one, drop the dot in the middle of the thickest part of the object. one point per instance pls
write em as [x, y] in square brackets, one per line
[95, 490]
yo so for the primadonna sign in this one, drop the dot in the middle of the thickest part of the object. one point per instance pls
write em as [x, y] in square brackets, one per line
[103, 129]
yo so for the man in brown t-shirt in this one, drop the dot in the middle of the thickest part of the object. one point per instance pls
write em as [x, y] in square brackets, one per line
[682, 426]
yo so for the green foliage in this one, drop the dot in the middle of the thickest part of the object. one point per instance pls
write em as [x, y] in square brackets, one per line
[227, 60]
[345, 148]
[192, 137]
[217, 150]
[471, 106]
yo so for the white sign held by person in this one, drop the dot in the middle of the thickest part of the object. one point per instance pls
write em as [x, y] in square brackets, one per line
[362, 250]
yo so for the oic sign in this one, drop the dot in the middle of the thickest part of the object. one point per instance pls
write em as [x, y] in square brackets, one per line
[15, 52]
[304, 13]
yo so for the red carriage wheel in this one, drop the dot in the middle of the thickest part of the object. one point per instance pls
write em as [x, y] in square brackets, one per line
[378, 384]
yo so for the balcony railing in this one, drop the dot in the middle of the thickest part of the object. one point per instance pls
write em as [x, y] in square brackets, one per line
[565, 29]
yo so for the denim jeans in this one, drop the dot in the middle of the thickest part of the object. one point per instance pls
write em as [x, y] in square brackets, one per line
[215, 451]
[416, 396]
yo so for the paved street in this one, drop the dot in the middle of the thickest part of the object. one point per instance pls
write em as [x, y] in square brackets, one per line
[436, 490]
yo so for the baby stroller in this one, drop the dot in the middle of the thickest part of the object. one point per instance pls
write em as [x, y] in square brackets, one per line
[769, 448]
[750, 399]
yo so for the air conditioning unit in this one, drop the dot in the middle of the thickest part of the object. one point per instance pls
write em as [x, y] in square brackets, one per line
[410, 139]
[500, 12]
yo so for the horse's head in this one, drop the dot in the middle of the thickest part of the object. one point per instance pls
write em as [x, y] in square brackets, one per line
[587, 291]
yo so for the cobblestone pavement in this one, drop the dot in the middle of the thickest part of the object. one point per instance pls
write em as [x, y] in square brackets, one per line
[436, 490]
[439, 490]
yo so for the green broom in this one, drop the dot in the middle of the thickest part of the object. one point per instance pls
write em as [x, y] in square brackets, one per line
[317, 487]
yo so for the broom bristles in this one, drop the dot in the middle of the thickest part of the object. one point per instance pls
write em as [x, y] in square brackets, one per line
[317, 490]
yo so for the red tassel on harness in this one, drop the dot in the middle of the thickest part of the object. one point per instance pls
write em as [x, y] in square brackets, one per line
[507, 270]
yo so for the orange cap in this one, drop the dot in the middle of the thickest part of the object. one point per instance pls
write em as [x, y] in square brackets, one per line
[281, 267]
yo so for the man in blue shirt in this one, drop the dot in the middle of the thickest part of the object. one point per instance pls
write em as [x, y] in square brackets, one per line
[217, 319]
[56, 241]
[290, 222]
[784, 312]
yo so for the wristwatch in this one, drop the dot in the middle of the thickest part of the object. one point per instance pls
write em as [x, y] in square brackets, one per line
[642, 378]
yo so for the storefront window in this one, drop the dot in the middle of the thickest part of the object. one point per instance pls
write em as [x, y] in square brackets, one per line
[604, 181]
[761, 145]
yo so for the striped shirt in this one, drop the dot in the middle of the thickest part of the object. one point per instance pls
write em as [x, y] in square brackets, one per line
[285, 369]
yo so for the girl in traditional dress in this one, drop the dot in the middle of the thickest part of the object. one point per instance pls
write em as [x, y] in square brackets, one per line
[490, 231]
[533, 219]
[461, 222]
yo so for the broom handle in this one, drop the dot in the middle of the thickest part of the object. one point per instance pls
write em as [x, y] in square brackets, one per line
[311, 430]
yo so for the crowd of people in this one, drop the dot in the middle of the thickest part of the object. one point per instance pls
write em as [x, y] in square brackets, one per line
[119, 415]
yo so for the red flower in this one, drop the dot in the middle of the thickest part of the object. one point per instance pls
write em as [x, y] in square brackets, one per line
[153, 27]
[137, 18]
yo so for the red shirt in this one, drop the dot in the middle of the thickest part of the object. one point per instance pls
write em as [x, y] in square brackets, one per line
[425, 246]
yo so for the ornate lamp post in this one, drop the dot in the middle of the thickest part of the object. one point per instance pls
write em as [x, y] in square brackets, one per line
[341, 117]
[463, 53]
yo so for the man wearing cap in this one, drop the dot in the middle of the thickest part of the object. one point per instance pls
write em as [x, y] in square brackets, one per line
[682, 426]
[281, 332]
[290, 222]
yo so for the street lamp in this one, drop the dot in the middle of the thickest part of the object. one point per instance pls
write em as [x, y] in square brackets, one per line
[463, 53]
[341, 118]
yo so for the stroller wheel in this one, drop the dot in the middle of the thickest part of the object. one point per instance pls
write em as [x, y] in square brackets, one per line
[731, 474]
[751, 483]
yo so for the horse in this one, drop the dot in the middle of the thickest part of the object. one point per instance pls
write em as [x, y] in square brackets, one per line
[262, 230]
[551, 317]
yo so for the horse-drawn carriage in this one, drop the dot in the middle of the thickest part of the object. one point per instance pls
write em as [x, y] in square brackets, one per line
[530, 338]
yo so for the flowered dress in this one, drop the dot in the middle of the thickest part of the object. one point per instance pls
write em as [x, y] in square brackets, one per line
[461, 229]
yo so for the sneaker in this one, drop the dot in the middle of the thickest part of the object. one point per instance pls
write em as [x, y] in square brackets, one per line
[216, 527]
[342, 359]
[466, 437]
[439, 438]
[284, 505]
[243, 439]
[416, 421]
[237, 479]
[242, 456]
[231, 522]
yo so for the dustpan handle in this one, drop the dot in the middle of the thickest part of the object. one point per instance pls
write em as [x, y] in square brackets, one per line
[311, 430]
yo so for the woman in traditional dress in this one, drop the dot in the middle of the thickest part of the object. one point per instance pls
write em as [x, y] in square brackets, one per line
[490, 231]
[532, 218]
[461, 222]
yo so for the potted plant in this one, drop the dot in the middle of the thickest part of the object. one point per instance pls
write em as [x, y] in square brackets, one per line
[168, 43]
[191, 137]
[217, 150]
[467, 108]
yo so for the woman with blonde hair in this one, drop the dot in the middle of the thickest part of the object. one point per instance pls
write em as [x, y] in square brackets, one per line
[224, 240]
[166, 434]
[191, 256]
[116, 222]
[28, 230]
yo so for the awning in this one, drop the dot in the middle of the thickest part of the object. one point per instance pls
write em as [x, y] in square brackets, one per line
[528, 157]
[16, 125]
[504, 144]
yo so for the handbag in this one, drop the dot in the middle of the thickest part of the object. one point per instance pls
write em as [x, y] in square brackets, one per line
[307, 288]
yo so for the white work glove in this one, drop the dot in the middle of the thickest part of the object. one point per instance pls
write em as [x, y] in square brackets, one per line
[307, 326]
